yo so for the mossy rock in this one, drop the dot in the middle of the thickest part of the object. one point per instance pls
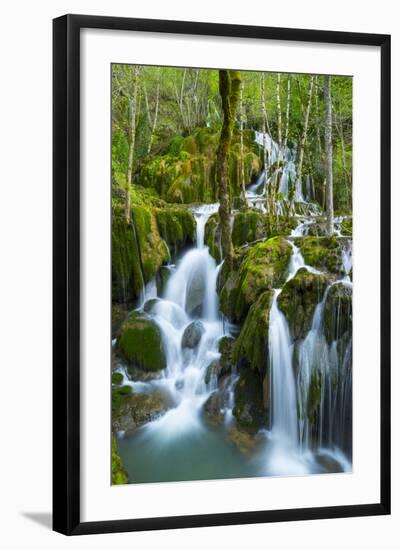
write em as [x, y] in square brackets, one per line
[299, 298]
[118, 472]
[249, 408]
[117, 378]
[213, 408]
[225, 347]
[323, 253]
[248, 226]
[212, 237]
[118, 396]
[140, 408]
[127, 277]
[251, 347]
[176, 226]
[151, 246]
[347, 227]
[140, 343]
[264, 267]
[186, 174]
[338, 312]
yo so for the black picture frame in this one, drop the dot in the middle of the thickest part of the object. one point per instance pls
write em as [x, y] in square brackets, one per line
[66, 273]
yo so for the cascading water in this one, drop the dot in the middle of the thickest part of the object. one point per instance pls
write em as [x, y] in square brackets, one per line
[179, 444]
[283, 387]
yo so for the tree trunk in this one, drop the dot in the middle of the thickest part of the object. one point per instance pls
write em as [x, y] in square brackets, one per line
[154, 125]
[278, 106]
[328, 155]
[264, 129]
[131, 142]
[229, 89]
[241, 173]
[287, 115]
[305, 129]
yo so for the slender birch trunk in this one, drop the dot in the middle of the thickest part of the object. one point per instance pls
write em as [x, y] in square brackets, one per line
[305, 129]
[154, 125]
[264, 129]
[285, 140]
[132, 99]
[278, 106]
[229, 88]
[241, 174]
[328, 155]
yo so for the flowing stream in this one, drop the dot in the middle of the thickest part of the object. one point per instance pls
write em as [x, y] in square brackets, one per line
[180, 445]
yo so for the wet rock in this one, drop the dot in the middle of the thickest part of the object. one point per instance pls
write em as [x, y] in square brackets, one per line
[263, 267]
[140, 408]
[192, 335]
[213, 371]
[246, 442]
[213, 409]
[225, 347]
[323, 253]
[149, 305]
[338, 312]
[140, 343]
[117, 378]
[249, 408]
[299, 298]
[251, 347]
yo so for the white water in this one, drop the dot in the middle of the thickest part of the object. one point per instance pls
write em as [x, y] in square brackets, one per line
[190, 294]
[283, 387]
[292, 446]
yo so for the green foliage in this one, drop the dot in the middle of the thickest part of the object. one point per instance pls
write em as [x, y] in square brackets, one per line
[118, 473]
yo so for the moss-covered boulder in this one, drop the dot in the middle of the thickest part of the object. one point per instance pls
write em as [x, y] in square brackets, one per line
[338, 312]
[138, 409]
[251, 347]
[127, 277]
[117, 378]
[248, 226]
[186, 174]
[140, 343]
[225, 347]
[323, 253]
[249, 408]
[213, 409]
[212, 237]
[264, 267]
[118, 472]
[176, 226]
[299, 298]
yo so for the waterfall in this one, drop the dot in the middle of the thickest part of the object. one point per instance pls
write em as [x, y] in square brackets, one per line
[283, 387]
[189, 300]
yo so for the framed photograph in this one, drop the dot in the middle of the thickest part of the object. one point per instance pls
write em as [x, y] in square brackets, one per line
[221, 274]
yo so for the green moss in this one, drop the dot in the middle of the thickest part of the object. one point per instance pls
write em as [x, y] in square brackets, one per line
[127, 278]
[118, 473]
[140, 343]
[251, 347]
[264, 267]
[187, 173]
[347, 227]
[248, 226]
[324, 253]
[338, 312]
[299, 298]
[117, 378]
[212, 237]
[118, 396]
[176, 226]
[314, 397]
[249, 408]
